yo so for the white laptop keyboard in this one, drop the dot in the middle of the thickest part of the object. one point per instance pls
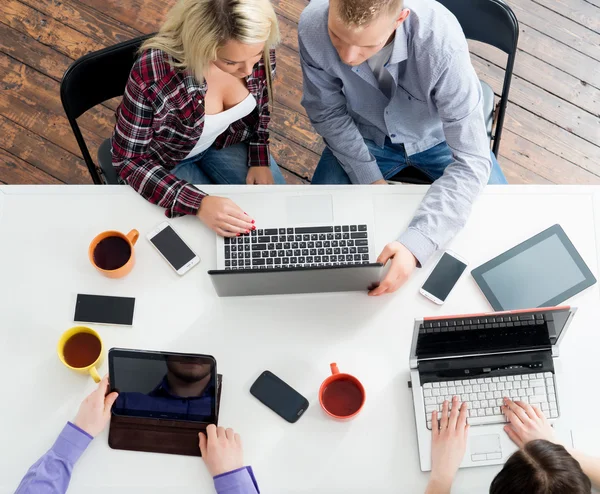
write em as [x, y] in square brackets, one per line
[484, 396]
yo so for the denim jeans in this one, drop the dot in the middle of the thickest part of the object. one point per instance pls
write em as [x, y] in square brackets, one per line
[392, 159]
[221, 166]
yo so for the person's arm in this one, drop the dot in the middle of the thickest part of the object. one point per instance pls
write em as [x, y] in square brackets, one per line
[130, 154]
[222, 453]
[325, 105]
[51, 474]
[448, 446]
[589, 464]
[447, 205]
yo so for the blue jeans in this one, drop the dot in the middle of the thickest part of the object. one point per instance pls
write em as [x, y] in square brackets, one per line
[393, 158]
[221, 166]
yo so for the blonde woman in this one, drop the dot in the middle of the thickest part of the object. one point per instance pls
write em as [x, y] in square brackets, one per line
[196, 110]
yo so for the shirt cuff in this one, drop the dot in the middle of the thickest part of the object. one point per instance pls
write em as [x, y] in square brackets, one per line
[258, 154]
[71, 443]
[237, 481]
[365, 173]
[187, 201]
[419, 245]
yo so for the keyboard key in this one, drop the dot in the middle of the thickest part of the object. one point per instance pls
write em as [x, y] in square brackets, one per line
[315, 229]
[358, 235]
[338, 228]
[362, 228]
[258, 262]
[345, 228]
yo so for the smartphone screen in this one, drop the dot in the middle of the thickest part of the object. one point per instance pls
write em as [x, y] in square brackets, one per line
[444, 276]
[280, 397]
[102, 309]
[173, 248]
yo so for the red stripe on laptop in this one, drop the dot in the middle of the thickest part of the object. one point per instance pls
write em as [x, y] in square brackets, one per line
[520, 311]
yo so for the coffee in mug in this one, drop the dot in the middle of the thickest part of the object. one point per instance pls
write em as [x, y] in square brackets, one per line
[342, 396]
[112, 254]
[80, 349]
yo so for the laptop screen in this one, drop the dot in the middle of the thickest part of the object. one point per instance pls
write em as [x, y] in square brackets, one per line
[490, 333]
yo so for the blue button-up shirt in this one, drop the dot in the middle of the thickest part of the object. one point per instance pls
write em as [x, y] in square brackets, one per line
[436, 97]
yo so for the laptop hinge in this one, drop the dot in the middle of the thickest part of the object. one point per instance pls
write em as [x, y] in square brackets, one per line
[486, 366]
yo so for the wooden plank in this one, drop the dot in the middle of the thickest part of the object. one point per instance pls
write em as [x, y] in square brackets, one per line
[145, 16]
[291, 9]
[552, 138]
[42, 154]
[291, 179]
[544, 163]
[32, 100]
[16, 171]
[557, 26]
[94, 25]
[296, 126]
[541, 74]
[46, 30]
[293, 157]
[33, 53]
[517, 174]
[541, 102]
[288, 83]
[560, 56]
[289, 33]
[580, 11]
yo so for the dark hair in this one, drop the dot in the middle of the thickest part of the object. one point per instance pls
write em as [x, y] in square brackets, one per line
[541, 467]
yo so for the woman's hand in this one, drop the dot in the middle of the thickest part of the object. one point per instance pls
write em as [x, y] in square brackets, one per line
[259, 175]
[224, 216]
[527, 423]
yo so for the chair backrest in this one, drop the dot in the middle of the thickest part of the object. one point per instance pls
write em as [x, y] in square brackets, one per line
[494, 23]
[93, 79]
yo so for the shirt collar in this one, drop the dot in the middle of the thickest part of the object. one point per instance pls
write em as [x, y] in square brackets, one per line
[400, 51]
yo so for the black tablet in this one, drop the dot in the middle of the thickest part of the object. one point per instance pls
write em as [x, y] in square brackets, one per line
[540, 272]
[164, 385]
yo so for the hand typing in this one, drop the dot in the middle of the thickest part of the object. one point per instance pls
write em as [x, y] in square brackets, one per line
[527, 423]
[224, 216]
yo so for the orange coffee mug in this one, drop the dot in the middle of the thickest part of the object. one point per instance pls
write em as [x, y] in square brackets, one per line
[112, 253]
[342, 396]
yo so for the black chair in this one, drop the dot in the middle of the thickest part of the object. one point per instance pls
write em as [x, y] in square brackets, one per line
[494, 23]
[91, 80]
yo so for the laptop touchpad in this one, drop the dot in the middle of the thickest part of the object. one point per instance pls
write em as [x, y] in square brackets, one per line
[317, 209]
[489, 443]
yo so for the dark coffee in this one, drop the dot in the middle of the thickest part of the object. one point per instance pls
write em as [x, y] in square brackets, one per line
[112, 253]
[81, 350]
[342, 397]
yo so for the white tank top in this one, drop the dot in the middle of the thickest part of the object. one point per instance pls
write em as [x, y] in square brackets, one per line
[215, 125]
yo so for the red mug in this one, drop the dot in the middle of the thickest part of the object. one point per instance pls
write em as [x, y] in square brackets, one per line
[342, 396]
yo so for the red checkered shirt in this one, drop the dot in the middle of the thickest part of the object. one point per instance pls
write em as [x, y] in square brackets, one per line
[160, 120]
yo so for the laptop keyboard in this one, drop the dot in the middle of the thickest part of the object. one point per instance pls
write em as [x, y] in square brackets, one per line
[484, 396]
[298, 247]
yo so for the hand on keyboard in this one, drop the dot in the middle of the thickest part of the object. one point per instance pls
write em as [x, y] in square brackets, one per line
[449, 442]
[527, 423]
[224, 216]
[403, 264]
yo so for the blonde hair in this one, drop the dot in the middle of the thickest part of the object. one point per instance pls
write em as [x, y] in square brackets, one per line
[195, 29]
[358, 13]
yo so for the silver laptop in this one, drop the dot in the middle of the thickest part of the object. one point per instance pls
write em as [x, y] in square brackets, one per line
[482, 358]
[304, 242]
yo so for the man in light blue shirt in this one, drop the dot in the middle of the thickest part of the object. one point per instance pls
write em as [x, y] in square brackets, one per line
[388, 86]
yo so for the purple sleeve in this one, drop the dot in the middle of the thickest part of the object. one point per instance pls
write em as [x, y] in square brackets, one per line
[240, 481]
[52, 472]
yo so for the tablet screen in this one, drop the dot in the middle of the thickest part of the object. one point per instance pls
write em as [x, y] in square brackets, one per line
[540, 272]
[168, 386]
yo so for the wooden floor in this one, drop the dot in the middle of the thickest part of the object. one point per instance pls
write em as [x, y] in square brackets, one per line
[551, 134]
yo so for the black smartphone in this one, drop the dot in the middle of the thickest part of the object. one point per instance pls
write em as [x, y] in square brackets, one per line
[104, 310]
[279, 396]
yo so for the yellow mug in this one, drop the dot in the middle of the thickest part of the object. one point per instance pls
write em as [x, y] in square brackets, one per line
[80, 349]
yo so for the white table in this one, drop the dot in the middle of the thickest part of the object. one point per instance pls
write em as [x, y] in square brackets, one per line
[44, 235]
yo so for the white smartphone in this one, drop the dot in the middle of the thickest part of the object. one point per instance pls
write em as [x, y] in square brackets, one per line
[443, 277]
[172, 248]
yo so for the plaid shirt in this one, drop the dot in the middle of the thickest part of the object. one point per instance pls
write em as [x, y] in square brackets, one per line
[160, 120]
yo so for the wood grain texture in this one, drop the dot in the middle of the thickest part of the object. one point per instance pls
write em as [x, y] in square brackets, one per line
[16, 171]
[581, 11]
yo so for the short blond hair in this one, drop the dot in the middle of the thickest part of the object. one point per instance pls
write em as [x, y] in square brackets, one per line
[358, 13]
[195, 29]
